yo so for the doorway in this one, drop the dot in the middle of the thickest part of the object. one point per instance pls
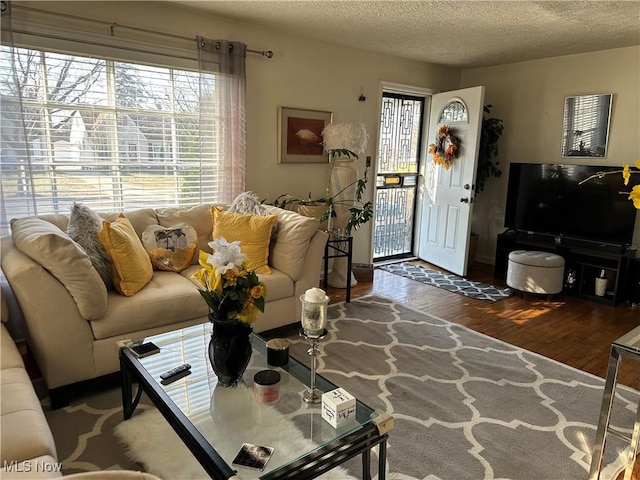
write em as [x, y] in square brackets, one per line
[399, 152]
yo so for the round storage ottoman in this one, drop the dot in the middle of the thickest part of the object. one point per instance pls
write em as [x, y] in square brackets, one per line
[535, 272]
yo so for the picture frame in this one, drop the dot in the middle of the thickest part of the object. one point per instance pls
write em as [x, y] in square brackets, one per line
[300, 135]
[585, 126]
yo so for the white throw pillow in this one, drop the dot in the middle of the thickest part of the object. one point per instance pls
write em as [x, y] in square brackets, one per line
[52, 248]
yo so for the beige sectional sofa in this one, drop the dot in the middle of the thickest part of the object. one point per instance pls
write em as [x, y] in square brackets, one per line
[27, 448]
[25, 434]
[73, 321]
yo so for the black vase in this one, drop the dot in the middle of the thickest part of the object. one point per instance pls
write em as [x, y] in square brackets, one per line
[229, 350]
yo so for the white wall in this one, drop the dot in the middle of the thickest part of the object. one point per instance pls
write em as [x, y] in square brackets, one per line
[302, 74]
[529, 98]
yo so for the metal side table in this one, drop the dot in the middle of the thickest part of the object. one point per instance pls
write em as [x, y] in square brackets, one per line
[336, 248]
[626, 346]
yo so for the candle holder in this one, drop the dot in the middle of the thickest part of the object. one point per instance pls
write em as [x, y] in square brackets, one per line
[313, 394]
[313, 320]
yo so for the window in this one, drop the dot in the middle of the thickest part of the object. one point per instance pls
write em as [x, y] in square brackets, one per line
[110, 134]
[454, 111]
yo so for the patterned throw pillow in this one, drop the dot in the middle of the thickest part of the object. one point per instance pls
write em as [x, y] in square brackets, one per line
[83, 228]
[171, 249]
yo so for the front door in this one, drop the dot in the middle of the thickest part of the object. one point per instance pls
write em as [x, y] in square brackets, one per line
[448, 194]
[396, 178]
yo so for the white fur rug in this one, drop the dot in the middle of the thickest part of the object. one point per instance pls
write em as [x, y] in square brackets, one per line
[152, 442]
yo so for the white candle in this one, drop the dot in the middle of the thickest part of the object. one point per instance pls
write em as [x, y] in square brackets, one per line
[315, 295]
[314, 311]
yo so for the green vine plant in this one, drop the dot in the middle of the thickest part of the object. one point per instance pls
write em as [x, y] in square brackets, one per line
[490, 133]
[361, 212]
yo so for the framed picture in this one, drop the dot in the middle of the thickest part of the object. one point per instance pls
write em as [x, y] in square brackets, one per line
[300, 135]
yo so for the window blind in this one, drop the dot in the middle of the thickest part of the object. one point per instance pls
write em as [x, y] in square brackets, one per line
[111, 134]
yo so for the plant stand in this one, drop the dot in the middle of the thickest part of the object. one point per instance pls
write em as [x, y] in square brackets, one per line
[341, 275]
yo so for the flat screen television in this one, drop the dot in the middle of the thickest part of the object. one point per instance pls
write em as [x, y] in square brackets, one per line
[546, 198]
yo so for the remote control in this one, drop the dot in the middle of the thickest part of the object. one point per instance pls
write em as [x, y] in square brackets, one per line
[175, 371]
[176, 377]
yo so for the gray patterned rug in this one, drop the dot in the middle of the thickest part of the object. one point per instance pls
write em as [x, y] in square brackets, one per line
[449, 282]
[466, 406]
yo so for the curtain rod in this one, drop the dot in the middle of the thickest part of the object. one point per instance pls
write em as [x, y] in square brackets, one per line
[114, 25]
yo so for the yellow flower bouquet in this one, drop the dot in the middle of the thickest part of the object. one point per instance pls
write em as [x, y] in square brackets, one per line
[230, 290]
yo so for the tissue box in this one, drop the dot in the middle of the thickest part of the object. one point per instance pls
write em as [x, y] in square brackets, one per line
[338, 407]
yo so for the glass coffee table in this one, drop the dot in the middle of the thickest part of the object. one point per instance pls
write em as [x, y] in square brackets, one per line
[213, 422]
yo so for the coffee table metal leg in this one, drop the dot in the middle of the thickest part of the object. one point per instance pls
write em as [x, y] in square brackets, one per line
[608, 397]
[633, 448]
[366, 464]
[382, 460]
[129, 403]
[127, 391]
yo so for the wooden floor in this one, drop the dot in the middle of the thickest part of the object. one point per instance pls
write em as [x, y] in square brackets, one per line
[571, 330]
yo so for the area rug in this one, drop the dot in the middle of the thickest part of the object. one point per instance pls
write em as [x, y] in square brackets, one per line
[466, 406]
[449, 282]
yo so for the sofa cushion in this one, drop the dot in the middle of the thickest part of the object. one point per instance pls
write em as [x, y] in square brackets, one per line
[52, 248]
[130, 263]
[199, 217]
[290, 246]
[83, 228]
[278, 284]
[253, 232]
[9, 355]
[168, 298]
[24, 432]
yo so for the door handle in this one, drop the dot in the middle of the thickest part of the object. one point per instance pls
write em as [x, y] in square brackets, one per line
[464, 200]
[467, 186]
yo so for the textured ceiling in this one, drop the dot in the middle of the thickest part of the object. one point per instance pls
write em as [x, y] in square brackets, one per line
[453, 33]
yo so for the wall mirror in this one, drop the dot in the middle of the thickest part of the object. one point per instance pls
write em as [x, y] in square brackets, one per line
[585, 129]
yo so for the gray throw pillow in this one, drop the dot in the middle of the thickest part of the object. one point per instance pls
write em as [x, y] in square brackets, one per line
[248, 203]
[83, 228]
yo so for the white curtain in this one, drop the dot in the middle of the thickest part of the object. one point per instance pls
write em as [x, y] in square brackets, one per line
[13, 138]
[222, 112]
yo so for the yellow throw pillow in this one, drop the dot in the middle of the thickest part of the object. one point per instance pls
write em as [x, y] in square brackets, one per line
[131, 266]
[253, 231]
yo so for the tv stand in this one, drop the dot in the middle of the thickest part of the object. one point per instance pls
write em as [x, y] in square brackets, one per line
[584, 260]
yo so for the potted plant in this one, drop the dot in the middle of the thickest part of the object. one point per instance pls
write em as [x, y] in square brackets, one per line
[490, 133]
[321, 208]
[488, 151]
[310, 207]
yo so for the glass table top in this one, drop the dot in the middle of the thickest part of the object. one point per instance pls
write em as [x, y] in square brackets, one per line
[229, 416]
[630, 340]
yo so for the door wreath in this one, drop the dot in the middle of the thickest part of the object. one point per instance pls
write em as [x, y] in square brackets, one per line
[445, 149]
